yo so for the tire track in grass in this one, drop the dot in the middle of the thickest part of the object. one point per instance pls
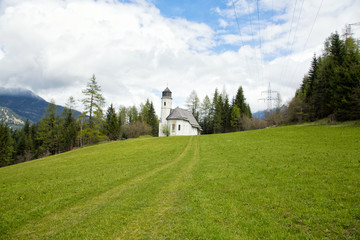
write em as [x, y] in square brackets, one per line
[156, 221]
[59, 221]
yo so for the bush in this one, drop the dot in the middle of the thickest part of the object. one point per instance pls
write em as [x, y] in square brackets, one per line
[136, 129]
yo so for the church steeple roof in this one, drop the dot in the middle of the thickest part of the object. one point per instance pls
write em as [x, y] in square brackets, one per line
[166, 93]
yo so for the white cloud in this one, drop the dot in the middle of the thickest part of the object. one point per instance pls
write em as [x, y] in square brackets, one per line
[223, 23]
[54, 47]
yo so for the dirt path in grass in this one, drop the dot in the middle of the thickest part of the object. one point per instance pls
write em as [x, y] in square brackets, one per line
[55, 223]
[155, 221]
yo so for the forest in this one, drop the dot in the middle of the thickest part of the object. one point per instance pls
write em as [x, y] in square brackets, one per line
[331, 88]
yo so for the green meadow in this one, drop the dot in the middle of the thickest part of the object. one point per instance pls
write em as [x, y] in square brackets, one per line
[294, 182]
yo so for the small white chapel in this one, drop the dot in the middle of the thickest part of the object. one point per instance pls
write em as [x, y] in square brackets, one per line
[179, 122]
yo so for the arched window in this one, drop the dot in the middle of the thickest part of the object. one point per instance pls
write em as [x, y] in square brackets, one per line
[164, 103]
[179, 127]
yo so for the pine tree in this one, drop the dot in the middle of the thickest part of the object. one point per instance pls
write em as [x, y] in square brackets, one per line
[206, 116]
[153, 121]
[235, 118]
[71, 103]
[6, 145]
[93, 101]
[35, 143]
[24, 143]
[226, 113]
[218, 112]
[241, 104]
[112, 127]
[348, 81]
[69, 132]
[49, 130]
[312, 78]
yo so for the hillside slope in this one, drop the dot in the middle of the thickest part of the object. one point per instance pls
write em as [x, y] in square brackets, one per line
[280, 183]
[10, 118]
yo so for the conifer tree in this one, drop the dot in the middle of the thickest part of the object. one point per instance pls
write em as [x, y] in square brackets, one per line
[226, 113]
[235, 119]
[330, 87]
[49, 130]
[24, 143]
[206, 116]
[93, 101]
[68, 133]
[241, 104]
[112, 128]
[153, 121]
[218, 112]
[6, 145]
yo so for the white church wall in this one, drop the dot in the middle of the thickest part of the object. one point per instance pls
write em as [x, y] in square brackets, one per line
[181, 128]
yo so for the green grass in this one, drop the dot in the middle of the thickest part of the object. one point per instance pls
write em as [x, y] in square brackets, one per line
[296, 182]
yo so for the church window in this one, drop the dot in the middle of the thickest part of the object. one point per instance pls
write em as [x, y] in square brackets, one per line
[164, 103]
[179, 127]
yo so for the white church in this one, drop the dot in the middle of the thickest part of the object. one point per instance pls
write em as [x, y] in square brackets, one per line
[178, 121]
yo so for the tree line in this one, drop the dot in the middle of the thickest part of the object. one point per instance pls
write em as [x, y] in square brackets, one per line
[220, 114]
[331, 88]
[56, 133]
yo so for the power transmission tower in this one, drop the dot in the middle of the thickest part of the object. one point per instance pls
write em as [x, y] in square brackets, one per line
[348, 32]
[269, 98]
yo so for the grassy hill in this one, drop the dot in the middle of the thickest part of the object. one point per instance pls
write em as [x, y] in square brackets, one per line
[296, 182]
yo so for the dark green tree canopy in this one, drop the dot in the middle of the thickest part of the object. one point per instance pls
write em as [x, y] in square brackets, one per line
[330, 87]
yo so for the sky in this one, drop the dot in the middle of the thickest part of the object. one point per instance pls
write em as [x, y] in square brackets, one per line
[137, 48]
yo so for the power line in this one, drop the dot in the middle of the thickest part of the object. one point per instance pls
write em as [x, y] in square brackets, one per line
[288, 43]
[252, 39]
[292, 43]
[271, 27]
[297, 25]
[261, 55]
[312, 27]
[242, 42]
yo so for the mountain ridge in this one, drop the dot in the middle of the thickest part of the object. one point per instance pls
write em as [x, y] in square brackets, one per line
[24, 104]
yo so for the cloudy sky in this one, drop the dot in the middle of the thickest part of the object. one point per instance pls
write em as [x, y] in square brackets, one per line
[137, 48]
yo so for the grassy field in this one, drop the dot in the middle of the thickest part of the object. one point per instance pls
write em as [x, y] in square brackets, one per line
[296, 182]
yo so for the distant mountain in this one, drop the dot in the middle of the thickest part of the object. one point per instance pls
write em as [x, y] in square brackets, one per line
[259, 114]
[23, 104]
[11, 118]
[262, 114]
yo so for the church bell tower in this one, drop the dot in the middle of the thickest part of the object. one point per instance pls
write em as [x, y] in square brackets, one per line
[166, 104]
